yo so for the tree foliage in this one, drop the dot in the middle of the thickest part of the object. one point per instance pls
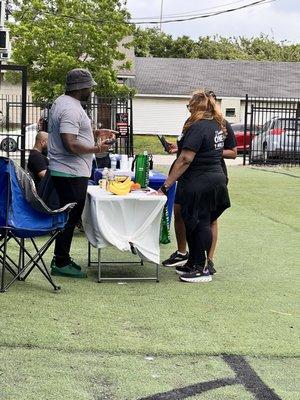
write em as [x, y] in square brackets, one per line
[151, 42]
[51, 37]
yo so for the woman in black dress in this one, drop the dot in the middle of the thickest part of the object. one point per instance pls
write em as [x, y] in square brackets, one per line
[201, 181]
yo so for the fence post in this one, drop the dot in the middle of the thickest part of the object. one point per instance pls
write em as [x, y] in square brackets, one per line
[130, 153]
[23, 115]
[245, 129]
[298, 111]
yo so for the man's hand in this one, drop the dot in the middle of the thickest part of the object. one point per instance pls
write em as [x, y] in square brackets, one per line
[102, 147]
[172, 148]
[104, 134]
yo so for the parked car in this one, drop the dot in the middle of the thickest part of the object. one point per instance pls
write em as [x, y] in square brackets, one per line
[11, 140]
[279, 138]
[238, 130]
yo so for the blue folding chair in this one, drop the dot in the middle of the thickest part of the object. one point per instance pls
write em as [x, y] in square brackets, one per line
[24, 215]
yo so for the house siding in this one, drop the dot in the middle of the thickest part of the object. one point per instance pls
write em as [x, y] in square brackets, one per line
[159, 115]
[166, 116]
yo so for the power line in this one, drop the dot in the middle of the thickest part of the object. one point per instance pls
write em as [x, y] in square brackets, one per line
[167, 21]
[181, 14]
[207, 15]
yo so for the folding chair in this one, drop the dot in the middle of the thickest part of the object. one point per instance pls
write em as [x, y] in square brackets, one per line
[24, 216]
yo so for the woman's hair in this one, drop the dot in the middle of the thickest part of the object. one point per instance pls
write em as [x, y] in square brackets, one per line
[203, 105]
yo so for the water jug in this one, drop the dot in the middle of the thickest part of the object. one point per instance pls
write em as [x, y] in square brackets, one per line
[142, 169]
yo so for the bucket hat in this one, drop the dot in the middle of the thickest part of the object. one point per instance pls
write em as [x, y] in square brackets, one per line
[79, 78]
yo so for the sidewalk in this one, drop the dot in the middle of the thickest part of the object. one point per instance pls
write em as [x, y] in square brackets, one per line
[168, 160]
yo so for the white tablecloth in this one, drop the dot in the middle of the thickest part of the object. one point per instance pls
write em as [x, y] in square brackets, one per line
[120, 220]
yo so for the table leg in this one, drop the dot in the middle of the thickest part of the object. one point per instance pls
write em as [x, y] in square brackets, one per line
[157, 273]
[89, 254]
[99, 265]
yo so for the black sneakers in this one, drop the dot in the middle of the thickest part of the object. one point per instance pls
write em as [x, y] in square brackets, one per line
[187, 268]
[211, 267]
[197, 275]
[176, 259]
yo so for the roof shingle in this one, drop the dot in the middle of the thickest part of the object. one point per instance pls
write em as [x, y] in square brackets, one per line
[228, 78]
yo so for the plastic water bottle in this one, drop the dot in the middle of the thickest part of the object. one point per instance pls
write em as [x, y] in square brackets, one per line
[131, 165]
[118, 157]
[124, 162]
[104, 181]
[111, 175]
[113, 161]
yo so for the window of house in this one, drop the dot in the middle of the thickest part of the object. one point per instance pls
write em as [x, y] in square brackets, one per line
[2, 40]
[230, 112]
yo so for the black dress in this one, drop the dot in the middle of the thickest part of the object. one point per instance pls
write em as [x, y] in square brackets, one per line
[202, 188]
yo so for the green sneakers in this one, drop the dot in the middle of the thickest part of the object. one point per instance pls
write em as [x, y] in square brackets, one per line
[71, 270]
[74, 265]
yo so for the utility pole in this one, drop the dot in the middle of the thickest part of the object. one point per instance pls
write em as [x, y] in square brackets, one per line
[161, 15]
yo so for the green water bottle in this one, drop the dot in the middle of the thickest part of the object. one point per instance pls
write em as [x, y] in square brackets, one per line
[142, 169]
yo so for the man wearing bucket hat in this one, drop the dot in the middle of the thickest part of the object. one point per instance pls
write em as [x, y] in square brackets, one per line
[71, 148]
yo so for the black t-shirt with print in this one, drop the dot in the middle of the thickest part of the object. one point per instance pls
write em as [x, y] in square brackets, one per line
[206, 139]
[229, 143]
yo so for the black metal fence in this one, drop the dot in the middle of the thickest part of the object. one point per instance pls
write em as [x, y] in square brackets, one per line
[114, 113]
[22, 70]
[272, 131]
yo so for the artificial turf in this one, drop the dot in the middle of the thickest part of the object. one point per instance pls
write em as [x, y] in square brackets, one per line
[129, 341]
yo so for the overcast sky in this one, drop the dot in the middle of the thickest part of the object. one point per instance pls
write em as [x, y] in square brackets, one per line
[279, 19]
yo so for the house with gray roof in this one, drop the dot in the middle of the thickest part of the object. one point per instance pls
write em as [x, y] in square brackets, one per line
[164, 86]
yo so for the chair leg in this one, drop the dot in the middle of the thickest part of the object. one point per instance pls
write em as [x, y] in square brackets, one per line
[13, 266]
[42, 261]
[21, 256]
[40, 258]
[33, 261]
[2, 288]
[8, 266]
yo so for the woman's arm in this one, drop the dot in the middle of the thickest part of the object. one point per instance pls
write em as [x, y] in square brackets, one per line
[180, 166]
[230, 153]
[172, 148]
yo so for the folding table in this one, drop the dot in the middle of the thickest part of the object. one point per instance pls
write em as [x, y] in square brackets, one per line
[130, 223]
[156, 180]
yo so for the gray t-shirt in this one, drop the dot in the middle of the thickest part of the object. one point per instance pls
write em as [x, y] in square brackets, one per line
[67, 116]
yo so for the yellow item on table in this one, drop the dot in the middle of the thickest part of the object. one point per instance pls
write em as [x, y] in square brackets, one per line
[120, 187]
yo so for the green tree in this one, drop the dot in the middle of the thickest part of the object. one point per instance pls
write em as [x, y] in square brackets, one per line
[184, 47]
[151, 42]
[219, 48]
[51, 37]
[263, 48]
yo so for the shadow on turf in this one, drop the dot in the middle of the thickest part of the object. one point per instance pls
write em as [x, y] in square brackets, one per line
[245, 375]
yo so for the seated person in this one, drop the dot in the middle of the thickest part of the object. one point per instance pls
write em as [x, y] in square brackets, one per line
[37, 161]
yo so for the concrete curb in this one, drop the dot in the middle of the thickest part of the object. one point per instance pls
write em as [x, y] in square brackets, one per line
[159, 159]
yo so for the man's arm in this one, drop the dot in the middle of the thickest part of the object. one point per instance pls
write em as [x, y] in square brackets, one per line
[73, 146]
[42, 173]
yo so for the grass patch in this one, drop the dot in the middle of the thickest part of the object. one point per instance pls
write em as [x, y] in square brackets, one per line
[150, 143]
[90, 340]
